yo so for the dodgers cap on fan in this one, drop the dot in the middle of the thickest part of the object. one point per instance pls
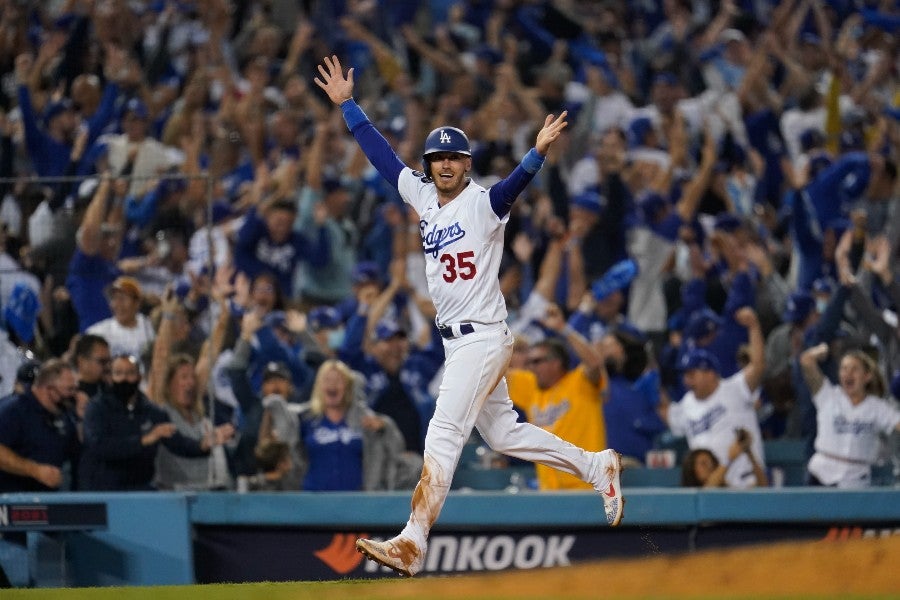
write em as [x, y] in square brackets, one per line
[447, 139]
[618, 277]
[701, 323]
[589, 200]
[698, 358]
[323, 317]
[387, 330]
[276, 369]
[366, 272]
[799, 306]
[823, 285]
[638, 130]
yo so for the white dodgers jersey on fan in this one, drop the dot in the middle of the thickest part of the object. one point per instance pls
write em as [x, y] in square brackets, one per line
[847, 439]
[711, 423]
[463, 244]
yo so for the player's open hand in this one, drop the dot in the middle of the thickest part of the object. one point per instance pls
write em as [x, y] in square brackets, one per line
[338, 87]
[549, 132]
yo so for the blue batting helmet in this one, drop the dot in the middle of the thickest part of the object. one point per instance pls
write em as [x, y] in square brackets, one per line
[445, 139]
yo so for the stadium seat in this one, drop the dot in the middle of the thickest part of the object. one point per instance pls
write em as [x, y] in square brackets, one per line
[643, 477]
[492, 479]
[883, 474]
[666, 441]
[469, 457]
[790, 457]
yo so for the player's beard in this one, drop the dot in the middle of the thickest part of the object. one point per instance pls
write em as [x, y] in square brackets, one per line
[452, 186]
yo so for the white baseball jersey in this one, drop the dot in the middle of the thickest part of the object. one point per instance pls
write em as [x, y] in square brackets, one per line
[711, 424]
[847, 437]
[463, 244]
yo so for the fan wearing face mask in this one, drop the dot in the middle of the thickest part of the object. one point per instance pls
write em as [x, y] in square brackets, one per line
[123, 430]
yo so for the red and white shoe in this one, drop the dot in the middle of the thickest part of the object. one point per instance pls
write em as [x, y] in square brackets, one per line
[400, 554]
[613, 503]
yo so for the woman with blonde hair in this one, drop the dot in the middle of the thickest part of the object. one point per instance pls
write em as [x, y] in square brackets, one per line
[850, 417]
[344, 445]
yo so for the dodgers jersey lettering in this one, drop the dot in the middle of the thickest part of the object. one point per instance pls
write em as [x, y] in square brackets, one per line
[711, 423]
[847, 440]
[463, 244]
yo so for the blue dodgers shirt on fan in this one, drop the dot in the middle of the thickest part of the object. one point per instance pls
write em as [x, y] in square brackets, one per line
[334, 452]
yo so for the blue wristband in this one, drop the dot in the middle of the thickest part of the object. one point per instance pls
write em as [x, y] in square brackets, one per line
[353, 114]
[532, 162]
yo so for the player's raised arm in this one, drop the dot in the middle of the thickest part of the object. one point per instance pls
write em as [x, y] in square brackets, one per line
[339, 88]
[505, 192]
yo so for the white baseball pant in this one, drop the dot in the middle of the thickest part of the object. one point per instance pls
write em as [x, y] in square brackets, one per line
[473, 392]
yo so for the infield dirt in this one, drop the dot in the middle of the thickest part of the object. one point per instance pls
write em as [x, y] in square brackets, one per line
[840, 569]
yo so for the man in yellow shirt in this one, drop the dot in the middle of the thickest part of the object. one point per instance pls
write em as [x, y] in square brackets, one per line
[566, 402]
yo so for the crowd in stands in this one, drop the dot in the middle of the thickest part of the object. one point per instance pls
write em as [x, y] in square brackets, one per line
[204, 285]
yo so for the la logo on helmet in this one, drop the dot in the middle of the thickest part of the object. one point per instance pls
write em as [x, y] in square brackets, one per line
[445, 137]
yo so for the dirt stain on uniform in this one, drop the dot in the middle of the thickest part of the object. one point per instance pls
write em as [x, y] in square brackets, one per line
[407, 551]
[429, 495]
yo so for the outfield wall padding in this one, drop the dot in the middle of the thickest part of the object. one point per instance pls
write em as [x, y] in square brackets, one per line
[151, 537]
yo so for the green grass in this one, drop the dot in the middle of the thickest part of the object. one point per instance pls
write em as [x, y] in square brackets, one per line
[358, 589]
[432, 588]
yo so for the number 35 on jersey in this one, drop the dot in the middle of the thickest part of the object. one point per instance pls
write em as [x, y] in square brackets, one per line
[458, 266]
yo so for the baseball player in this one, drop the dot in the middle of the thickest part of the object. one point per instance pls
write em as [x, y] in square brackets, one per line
[461, 224]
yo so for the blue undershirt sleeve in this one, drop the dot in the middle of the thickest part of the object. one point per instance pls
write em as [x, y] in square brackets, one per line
[505, 192]
[376, 148]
